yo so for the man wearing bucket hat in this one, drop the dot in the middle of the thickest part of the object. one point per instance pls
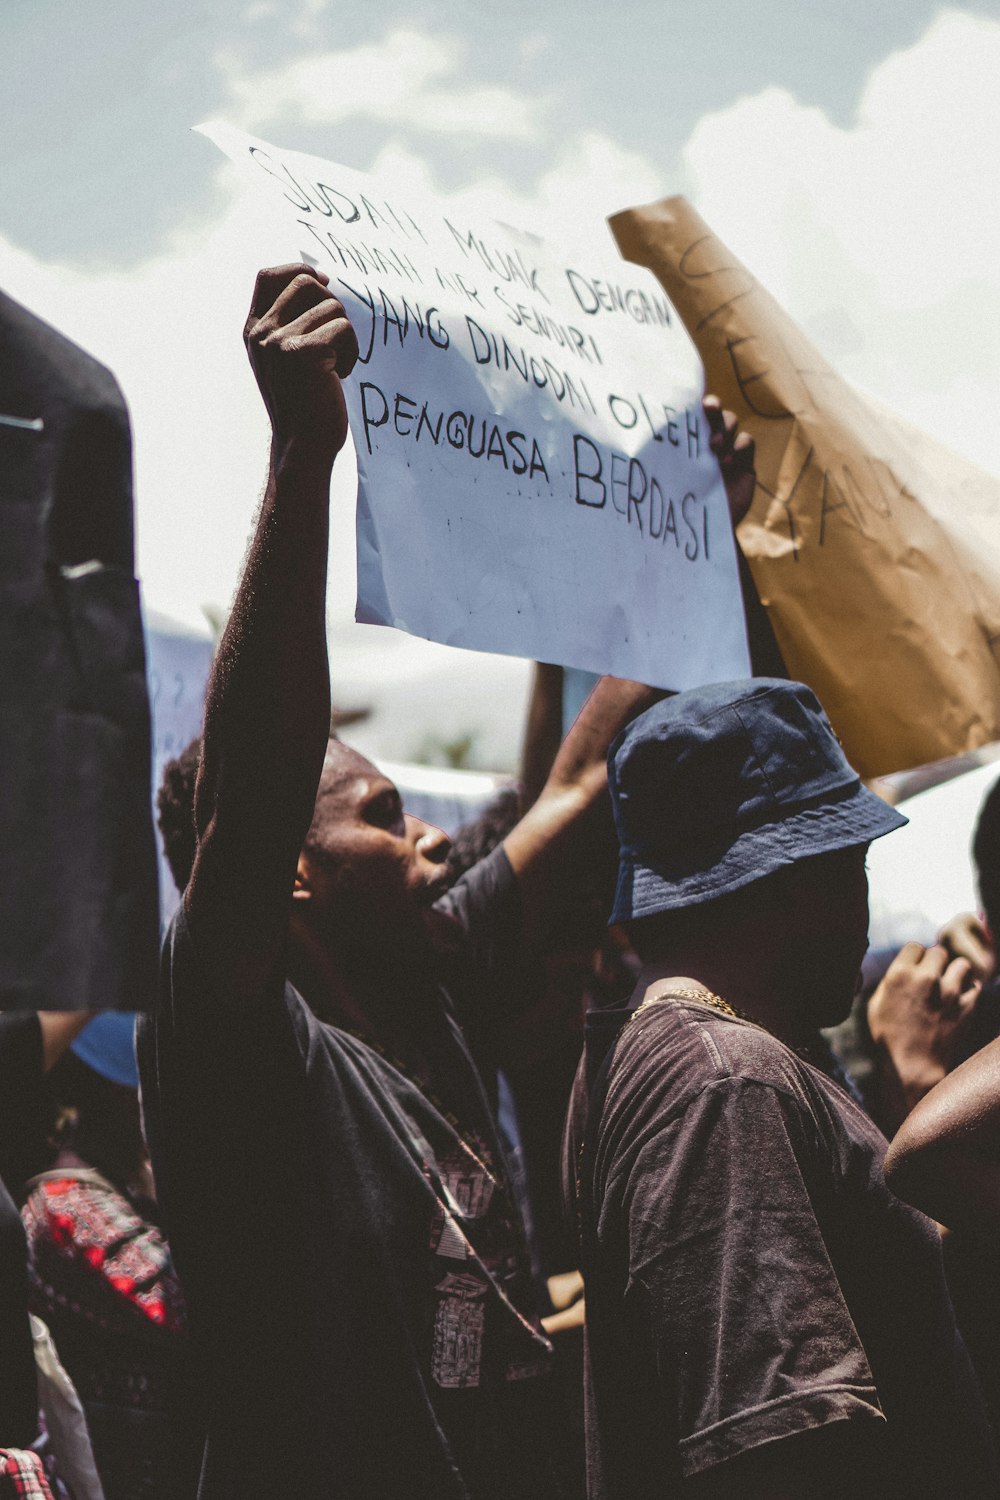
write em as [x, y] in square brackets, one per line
[763, 1318]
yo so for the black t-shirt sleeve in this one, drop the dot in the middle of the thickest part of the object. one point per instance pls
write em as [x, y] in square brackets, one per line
[483, 970]
[486, 905]
[730, 1278]
[195, 1002]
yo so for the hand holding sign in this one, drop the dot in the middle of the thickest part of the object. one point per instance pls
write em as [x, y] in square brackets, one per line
[301, 342]
[862, 530]
[736, 452]
[534, 469]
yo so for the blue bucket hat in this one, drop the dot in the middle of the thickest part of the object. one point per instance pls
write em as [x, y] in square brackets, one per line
[715, 788]
[107, 1045]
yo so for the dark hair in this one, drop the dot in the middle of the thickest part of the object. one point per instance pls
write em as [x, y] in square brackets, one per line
[986, 856]
[476, 839]
[175, 812]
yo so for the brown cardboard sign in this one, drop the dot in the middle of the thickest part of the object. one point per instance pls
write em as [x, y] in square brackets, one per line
[875, 550]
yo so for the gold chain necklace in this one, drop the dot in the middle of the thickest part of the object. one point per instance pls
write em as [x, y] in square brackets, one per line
[700, 996]
[806, 1051]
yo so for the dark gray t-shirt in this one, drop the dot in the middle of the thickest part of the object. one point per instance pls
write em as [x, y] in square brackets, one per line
[749, 1275]
[355, 1272]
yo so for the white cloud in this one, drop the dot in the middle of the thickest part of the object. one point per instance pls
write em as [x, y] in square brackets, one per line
[171, 331]
[408, 79]
[590, 177]
[533, 46]
[882, 239]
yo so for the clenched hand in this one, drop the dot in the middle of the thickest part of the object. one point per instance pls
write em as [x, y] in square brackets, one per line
[301, 345]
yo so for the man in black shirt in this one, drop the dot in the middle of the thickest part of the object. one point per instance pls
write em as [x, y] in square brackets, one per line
[322, 1137]
[764, 1319]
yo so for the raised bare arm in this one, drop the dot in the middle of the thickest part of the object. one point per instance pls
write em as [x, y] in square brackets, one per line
[542, 731]
[267, 716]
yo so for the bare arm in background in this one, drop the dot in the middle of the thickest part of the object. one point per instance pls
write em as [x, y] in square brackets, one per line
[543, 731]
[945, 1159]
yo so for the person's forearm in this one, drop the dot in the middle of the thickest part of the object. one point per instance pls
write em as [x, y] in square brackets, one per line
[267, 717]
[581, 764]
[542, 732]
[545, 848]
[954, 1186]
[268, 709]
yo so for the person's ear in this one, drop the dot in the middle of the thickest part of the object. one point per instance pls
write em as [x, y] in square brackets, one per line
[303, 888]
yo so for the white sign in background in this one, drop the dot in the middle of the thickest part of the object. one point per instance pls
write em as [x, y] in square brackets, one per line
[178, 661]
[534, 472]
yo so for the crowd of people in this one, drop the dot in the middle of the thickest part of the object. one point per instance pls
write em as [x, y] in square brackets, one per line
[548, 1163]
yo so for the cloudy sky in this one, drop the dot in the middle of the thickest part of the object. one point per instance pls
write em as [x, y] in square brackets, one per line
[847, 152]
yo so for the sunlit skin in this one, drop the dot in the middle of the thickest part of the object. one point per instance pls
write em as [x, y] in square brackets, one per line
[362, 841]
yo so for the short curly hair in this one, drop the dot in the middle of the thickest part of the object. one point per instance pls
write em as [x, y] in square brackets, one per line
[175, 812]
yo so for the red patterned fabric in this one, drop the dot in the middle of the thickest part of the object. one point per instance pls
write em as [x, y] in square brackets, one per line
[21, 1473]
[102, 1278]
[86, 1239]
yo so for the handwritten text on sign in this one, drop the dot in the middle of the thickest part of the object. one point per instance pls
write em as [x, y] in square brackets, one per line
[534, 473]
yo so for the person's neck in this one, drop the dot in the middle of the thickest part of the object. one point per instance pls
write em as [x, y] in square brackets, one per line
[370, 994]
[753, 989]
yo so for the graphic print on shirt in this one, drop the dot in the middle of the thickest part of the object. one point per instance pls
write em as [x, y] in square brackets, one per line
[457, 1354]
[474, 1241]
[460, 1316]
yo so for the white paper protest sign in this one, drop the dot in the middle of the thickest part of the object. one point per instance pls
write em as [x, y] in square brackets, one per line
[178, 662]
[533, 463]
